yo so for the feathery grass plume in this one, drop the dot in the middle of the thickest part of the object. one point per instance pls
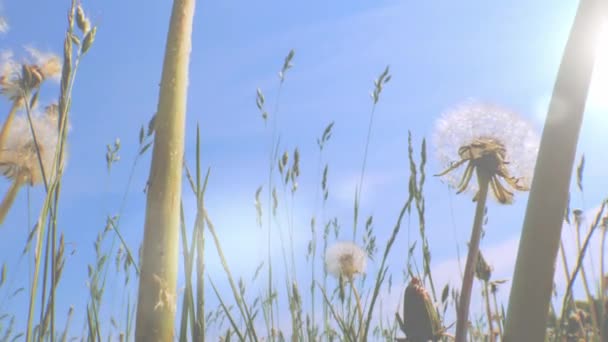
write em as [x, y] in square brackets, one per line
[495, 144]
[19, 80]
[541, 233]
[18, 77]
[19, 159]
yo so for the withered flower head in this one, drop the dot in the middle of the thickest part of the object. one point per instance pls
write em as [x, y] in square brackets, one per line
[17, 77]
[487, 139]
[420, 321]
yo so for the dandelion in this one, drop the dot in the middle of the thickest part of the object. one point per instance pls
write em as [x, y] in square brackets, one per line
[345, 259]
[495, 144]
[490, 139]
[28, 158]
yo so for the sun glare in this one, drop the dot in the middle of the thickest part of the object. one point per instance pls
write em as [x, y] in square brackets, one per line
[598, 93]
[597, 101]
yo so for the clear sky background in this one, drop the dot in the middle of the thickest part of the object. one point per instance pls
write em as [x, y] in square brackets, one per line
[440, 53]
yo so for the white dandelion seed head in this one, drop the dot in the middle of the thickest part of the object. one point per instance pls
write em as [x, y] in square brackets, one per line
[19, 155]
[473, 120]
[345, 259]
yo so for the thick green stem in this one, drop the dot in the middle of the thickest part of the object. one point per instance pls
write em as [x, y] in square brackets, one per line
[469, 271]
[157, 293]
[535, 265]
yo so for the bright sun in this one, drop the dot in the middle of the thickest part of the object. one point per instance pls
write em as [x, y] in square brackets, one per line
[597, 101]
[598, 93]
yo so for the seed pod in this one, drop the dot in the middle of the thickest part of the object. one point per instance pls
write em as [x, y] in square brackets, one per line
[483, 271]
[32, 77]
[82, 21]
[420, 319]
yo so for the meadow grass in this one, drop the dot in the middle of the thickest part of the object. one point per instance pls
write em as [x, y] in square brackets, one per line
[330, 297]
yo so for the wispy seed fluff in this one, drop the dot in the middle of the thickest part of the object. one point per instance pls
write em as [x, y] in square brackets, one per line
[42, 64]
[3, 25]
[472, 121]
[345, 259]
[19, 158]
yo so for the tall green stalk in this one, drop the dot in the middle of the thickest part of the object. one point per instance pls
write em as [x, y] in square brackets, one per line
[483, 178]
[535, 265]
[157, 285]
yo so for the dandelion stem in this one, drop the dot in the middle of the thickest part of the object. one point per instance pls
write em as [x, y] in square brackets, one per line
[483, 177]
[359, 307]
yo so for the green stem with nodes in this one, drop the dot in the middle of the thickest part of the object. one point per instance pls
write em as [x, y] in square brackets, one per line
[483, 178]
[535, 266]
[158, 278]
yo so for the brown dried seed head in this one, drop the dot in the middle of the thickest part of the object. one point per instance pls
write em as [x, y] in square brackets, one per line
[483, 271]
[31, 77]
[420, 319]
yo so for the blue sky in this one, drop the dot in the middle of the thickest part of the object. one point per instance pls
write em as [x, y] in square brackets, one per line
[439, 53]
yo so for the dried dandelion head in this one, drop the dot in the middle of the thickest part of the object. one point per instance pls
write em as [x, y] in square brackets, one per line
[487, 139]
[16, 78]
[19, 157]
[345, 259]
